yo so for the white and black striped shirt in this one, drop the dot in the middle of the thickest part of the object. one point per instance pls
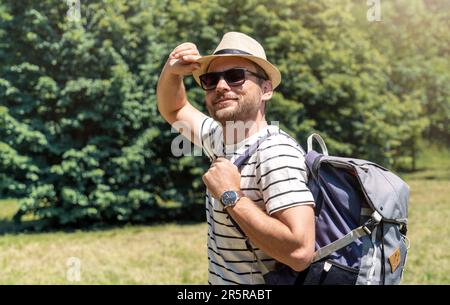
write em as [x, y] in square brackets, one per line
[273, 177]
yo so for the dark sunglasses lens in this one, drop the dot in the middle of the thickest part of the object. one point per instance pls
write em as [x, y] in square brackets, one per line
[210, 80]
[235, 76]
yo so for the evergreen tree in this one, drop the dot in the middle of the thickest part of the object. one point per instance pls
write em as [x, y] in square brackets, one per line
[82, 142]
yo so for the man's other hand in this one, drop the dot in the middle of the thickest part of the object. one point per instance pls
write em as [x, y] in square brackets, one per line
[222, 176]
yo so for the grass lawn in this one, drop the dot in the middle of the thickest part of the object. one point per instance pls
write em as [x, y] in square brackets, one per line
[176, 254]
[429, 211]
[165, 254]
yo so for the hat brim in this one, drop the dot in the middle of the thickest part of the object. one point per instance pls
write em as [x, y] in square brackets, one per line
[272, 72]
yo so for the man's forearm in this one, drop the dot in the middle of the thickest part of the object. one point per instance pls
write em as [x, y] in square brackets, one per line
[170, 94]
[271, 235]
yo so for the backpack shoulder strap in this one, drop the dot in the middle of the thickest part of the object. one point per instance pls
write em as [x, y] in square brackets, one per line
[252, 149]
[238, 162]
[353, 235]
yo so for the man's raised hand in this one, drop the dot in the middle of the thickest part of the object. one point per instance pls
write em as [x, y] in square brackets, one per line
[183, 59]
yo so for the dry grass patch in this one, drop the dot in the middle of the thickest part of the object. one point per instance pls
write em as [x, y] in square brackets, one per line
[167, 254]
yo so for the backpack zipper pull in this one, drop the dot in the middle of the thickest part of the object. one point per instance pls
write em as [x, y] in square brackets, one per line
[327, 266]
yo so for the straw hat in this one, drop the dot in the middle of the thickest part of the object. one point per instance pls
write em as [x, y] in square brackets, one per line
[235, 44]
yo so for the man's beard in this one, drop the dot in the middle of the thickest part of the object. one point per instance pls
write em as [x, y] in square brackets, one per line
[239, 110]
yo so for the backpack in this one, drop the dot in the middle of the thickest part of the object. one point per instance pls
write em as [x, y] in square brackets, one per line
[361, 222]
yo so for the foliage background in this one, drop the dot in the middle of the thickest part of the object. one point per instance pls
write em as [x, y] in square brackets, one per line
[82, 143]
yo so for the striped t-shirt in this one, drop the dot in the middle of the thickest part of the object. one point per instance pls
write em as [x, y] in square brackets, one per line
[274, 177]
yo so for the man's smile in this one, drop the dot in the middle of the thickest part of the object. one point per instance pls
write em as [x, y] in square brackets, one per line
[224, 102]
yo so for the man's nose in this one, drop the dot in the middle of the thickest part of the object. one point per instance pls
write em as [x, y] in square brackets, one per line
[222, 85]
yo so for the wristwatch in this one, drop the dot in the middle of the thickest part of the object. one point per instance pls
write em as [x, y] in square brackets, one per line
[230, 198]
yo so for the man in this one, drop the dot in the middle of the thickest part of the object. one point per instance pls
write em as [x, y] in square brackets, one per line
[267, 198]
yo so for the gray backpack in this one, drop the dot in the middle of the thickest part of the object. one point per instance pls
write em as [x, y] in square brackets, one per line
[361, 222]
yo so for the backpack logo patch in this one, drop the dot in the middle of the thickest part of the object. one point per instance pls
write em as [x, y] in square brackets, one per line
[394, 259]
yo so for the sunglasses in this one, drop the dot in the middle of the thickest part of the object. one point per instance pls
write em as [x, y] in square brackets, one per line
[234, 77]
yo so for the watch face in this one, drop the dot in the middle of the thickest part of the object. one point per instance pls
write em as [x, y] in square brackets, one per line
[229, 197]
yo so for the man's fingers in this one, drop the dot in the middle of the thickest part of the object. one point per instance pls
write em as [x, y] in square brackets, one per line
[186, 52]
[187, 55]
[191, 58]
[184, 47]
[184, 58]
[220, 159]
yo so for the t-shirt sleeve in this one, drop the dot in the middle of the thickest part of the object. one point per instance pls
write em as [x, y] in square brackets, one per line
[281, 175]
[210, 135]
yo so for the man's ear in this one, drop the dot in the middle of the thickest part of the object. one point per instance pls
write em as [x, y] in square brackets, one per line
[267, 90]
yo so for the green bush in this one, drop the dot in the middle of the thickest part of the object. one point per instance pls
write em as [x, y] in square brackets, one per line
[81, 140]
